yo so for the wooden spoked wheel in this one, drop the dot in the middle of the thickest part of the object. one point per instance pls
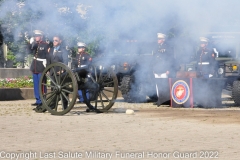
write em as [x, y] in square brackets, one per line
[101, 89]
[58, 88]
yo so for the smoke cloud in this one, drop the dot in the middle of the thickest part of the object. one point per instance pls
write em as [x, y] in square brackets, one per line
[134, 19]
[182, 20]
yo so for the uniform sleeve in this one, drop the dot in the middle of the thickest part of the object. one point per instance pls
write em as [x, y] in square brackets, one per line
[213, 63]
[32, 48]
[48, 57]
[47, 49]
[89, 59]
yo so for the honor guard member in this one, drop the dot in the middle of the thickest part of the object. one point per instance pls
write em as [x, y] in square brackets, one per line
[206, 63]
[40, 50]
[164, 67]
[164, 58]
[83, 59]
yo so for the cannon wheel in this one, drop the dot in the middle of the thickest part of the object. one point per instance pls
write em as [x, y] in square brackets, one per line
[57, 89]
[236, 92]
[105, 90]
[132, 92]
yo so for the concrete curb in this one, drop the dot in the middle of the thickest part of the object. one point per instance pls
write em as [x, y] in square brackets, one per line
[7, 94]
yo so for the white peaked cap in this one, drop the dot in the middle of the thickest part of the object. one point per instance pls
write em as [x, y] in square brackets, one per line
[203, 39]
[81, 44]
[38, 32]
[161, 35]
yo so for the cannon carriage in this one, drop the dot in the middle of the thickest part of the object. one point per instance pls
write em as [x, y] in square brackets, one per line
[59, 87]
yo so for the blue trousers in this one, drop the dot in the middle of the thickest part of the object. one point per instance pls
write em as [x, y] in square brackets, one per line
[36, 81]
[81, 95]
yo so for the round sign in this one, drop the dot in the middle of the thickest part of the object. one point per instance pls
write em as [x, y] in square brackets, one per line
[180, 92]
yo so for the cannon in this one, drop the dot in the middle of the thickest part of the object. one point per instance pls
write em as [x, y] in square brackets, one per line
[59, 87]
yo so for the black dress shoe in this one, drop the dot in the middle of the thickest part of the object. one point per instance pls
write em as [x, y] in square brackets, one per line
[93, 110]
[34, 104]
[40, 109]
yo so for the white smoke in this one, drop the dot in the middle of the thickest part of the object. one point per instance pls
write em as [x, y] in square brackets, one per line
[140, 20]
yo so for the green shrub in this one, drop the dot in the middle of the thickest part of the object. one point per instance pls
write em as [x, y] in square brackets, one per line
[10, 56]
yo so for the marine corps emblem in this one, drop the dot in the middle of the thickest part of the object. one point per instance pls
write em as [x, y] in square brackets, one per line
[180, 92]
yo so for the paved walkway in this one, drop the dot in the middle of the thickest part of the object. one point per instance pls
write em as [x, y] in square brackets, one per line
[151, 133]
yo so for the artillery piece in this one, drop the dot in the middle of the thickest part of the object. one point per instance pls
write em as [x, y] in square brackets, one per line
[60, 84]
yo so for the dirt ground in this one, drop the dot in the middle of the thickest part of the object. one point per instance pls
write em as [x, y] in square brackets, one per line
[150, 133]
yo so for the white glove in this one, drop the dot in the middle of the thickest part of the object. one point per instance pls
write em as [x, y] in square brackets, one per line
[31, 40]
[163, 75]
[210, 75]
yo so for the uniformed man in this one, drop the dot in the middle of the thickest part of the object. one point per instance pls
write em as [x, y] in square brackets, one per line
[165, 66]
[206, 63]
[164, 61]
[40, 50]
[82, 59]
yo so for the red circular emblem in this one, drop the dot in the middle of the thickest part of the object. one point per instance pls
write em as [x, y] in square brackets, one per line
[180, 92]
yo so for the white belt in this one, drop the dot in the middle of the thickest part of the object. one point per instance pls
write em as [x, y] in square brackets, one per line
[82, 65]
[203, 63]
[43, 60]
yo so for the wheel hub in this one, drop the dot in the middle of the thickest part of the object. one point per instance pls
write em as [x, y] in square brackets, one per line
[57, 89]
[100, 86]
